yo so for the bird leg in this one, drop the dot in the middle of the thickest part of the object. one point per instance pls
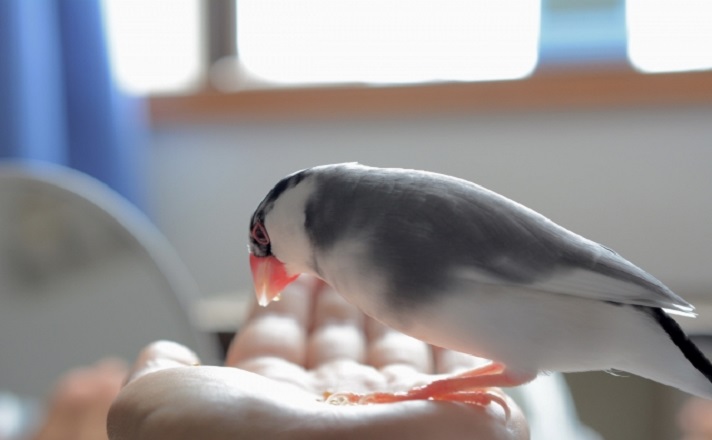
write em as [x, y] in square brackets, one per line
[468, 387]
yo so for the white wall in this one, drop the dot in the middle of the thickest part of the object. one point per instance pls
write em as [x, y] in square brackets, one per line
[638, 181]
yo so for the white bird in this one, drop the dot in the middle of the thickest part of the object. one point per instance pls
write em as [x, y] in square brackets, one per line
[458, 266]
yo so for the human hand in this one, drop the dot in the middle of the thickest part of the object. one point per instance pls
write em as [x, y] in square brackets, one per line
[77, 407]
[695, 419]
[281, 363]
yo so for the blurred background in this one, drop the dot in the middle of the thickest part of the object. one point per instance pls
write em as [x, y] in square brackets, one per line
[154, 128]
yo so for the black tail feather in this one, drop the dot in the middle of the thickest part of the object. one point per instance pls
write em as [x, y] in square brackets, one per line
[682, 341]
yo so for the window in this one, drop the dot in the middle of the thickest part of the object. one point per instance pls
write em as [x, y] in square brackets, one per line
[155, 45]
[582, 32]
[387, 42]
[670, 35]
[175, 47]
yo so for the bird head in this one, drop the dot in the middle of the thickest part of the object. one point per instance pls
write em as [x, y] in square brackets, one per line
[278, 242]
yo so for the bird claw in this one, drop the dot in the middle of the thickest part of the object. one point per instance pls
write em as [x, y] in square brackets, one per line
[340, 399]
[480, 398]
[376, 398]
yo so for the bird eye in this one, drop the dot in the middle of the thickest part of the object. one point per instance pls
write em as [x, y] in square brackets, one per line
[259, 234]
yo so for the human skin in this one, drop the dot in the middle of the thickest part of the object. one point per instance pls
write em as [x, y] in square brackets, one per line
[277, 370]
[77, 406]
[695, 419]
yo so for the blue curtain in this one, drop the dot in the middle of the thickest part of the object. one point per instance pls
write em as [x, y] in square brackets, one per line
[58, 101]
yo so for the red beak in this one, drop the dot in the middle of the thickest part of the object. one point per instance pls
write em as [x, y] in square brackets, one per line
[270, 278]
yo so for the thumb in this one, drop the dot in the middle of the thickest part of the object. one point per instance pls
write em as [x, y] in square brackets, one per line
[161, 355]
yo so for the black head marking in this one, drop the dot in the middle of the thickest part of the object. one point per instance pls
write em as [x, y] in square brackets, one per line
[259, 246]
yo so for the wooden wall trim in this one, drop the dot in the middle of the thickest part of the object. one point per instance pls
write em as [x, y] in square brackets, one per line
[549, 91]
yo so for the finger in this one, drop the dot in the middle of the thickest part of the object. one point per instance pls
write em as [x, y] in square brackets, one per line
[70, 399]
[106, 380]
[279, 330]
[337, 331]
[452, 362]
[694, 418]
[160, 355]
[388, 347]
[80, 402]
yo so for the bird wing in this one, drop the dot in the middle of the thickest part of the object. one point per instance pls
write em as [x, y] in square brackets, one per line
[523, 247]
[609, 277]
[422, 226]
[591, 271]
[594, 285]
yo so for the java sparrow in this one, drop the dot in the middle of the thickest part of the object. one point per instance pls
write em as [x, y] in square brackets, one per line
[459, 266]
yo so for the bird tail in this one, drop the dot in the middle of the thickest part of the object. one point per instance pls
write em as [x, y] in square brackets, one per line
[681, 364]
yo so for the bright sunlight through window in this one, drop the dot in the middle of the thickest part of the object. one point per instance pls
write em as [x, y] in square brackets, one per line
[160, 46]
[670, 35]
[387, 41]
[155, 45]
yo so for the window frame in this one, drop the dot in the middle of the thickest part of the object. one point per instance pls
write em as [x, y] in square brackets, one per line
[558, 87]
[600, 88]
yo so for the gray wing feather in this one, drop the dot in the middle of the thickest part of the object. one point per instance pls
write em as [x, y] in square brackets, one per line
[424, 227]
[609, 277]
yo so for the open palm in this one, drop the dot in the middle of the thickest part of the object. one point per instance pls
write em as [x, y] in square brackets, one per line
[286, 360]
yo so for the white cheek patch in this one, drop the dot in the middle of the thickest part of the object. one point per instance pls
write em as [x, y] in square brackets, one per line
[285, 225]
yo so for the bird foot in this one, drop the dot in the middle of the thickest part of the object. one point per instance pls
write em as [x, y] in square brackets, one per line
[482, 397]
[473, 387]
